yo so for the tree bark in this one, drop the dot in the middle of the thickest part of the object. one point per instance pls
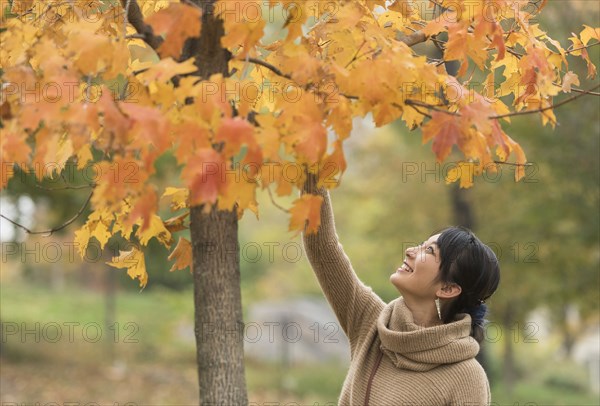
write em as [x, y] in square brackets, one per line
[218, 310]
[216, 258]
[509, 370]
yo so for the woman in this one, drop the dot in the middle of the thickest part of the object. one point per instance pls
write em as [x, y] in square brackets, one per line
[420, 348]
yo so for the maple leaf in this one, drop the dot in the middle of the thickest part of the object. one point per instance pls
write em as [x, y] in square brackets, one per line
[445, 131]
[569, 79]
[182, 254]
[149, 126]
[234, 132]
[13, 151]
[144, 208]
[178, 22]
[465, 171]
[305, 214]
[204, 175]
[175, 224]
[135, 263]
[589, 33]
[165, 69]
[179, 197]
[155, 229]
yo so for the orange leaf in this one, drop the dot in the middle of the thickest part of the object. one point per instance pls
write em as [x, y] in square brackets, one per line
[205, 175]
[182, 254]
[178, 22]
[445, 131]
[234, 132]
[306, 214]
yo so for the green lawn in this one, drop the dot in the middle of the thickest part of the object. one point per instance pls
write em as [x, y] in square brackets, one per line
[157, 355]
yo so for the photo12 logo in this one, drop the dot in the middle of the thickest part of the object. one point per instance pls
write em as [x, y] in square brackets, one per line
[69, 331]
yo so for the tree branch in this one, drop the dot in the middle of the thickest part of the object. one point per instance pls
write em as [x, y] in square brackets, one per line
[272, 68]
[580, 48]
[136, 19]
[417, 103]
[275, 203]
[55, 229]
[553, 106]
[413, 39]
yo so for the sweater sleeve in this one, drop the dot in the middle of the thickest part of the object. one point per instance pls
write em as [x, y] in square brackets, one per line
[355, 305]
[475, 390]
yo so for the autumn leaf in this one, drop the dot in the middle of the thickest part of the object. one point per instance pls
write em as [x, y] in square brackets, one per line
[305, 214]
[179, 197]
[178, 22]
[589, 33]
[182, 254]
[445, 131]
[284, 95]
[175, 224]
[465, 171]
[569, 79]
[135, 263]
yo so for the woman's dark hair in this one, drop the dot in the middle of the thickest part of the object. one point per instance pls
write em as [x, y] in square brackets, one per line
[472, 265]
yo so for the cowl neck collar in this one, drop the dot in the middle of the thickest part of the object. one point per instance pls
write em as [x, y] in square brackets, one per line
[416, 348]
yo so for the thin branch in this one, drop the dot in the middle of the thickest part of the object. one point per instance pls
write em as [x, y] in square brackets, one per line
[136, 19]
[512, 163]
[55, 229]
[270, 67]
[135, 36]
[540, 110]
[355, 57]
[66, 187]
[275, 203]
[583, 47]
[413, 39]
[418, 103]
[573, 89]
[125, 17]
[191, 3]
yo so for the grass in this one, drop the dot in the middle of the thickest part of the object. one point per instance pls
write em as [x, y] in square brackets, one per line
[158, 365]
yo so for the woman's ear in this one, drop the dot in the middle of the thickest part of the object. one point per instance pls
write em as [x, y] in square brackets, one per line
[449, 291]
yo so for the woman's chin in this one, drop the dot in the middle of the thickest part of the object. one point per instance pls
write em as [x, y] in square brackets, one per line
[395, 280]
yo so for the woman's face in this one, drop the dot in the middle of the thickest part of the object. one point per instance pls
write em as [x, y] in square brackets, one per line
[416, 275]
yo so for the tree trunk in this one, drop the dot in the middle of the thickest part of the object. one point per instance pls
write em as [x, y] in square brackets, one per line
[218, 307]
[509, 372]
[216, 258]
[462, 208]
[463, 216]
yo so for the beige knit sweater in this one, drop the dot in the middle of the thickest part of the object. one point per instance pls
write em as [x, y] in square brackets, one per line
[393, 360]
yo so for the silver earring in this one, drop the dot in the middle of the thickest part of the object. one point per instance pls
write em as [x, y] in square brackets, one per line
[437, 305]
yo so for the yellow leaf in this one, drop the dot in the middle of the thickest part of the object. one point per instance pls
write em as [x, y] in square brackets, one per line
[135, 263]
[463, 171]
[101, 233]
[569, 79]
[589, 33]
[157, 229]
[84, 155]
[81, 240]
[175, 224]
[179, 197]
[182, 254]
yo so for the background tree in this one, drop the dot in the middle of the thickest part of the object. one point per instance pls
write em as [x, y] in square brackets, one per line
[114, 86]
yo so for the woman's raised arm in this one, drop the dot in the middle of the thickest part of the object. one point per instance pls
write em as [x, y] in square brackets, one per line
[355, 305]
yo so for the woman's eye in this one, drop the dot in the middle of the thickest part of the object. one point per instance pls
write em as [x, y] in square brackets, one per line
[429, 249]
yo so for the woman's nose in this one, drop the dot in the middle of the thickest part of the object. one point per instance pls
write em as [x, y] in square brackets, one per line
[410, 251]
